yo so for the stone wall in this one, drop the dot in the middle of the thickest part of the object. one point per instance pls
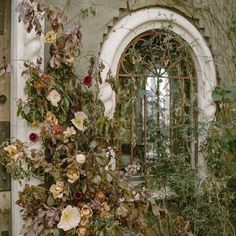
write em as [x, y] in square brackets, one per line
[211, 17]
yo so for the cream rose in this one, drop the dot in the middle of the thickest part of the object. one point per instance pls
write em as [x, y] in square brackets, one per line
[57, 189]
[86, 211]
[70, 218]
[54, 97]
[80, 158]
[73, 175]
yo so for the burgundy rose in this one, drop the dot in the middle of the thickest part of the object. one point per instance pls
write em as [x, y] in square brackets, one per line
[87, 80]
[49, 159]
[79, 196]
[33, 137]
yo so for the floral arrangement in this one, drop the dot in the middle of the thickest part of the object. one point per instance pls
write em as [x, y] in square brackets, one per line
[82, 190]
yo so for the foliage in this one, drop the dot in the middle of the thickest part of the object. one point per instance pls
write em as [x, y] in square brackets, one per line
[81, 191]
[84, 187]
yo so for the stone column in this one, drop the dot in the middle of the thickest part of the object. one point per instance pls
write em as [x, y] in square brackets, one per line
[24, 46]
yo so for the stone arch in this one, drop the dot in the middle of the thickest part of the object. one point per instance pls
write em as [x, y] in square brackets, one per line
[143, 20]
[138, 22]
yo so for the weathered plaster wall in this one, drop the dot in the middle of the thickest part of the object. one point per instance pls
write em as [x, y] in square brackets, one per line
[211, 17]
[5, 52]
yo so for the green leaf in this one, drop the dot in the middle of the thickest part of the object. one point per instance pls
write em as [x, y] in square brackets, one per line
[66, 103]
[234, 59]
[233, 23]
[216, 96]
[231, 95]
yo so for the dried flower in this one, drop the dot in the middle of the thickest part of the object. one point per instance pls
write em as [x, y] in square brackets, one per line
[33, 137]
[122, 210]
[54, 97]
[69, 59]
[100, 196]
[57, 129]
[57, 189]
[50, 37]
[73, 175]
[39, 85]
[82, 231]
[46, 78]
[68, 133]
[52, 215]
[105, 207]
[78, 122]
[11, 149]
[104, 214]
[51, 118]
[86, 211]
[70, 218]
[87, 80]
[84, 222]
[14, 153]
[80, 158]
[79, 196]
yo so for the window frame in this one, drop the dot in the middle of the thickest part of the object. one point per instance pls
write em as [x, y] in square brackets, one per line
[120, 67]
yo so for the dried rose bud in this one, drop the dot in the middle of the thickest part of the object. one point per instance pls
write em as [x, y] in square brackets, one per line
[33, 137]
[46, 78]
[57, 129]
[78, 196]
[38, 85]
[100, 196]
[104, 214]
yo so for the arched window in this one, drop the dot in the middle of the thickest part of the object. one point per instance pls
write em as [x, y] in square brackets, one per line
[158, 96]
[172, 90]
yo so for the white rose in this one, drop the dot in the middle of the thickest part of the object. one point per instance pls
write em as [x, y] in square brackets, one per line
[80, 158]
[54, 97]
[78, 122]
[70, 218]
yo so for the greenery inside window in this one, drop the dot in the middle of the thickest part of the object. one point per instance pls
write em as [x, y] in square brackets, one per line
[159, 97]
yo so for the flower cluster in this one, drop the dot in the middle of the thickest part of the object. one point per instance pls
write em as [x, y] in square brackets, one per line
[79, 193]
